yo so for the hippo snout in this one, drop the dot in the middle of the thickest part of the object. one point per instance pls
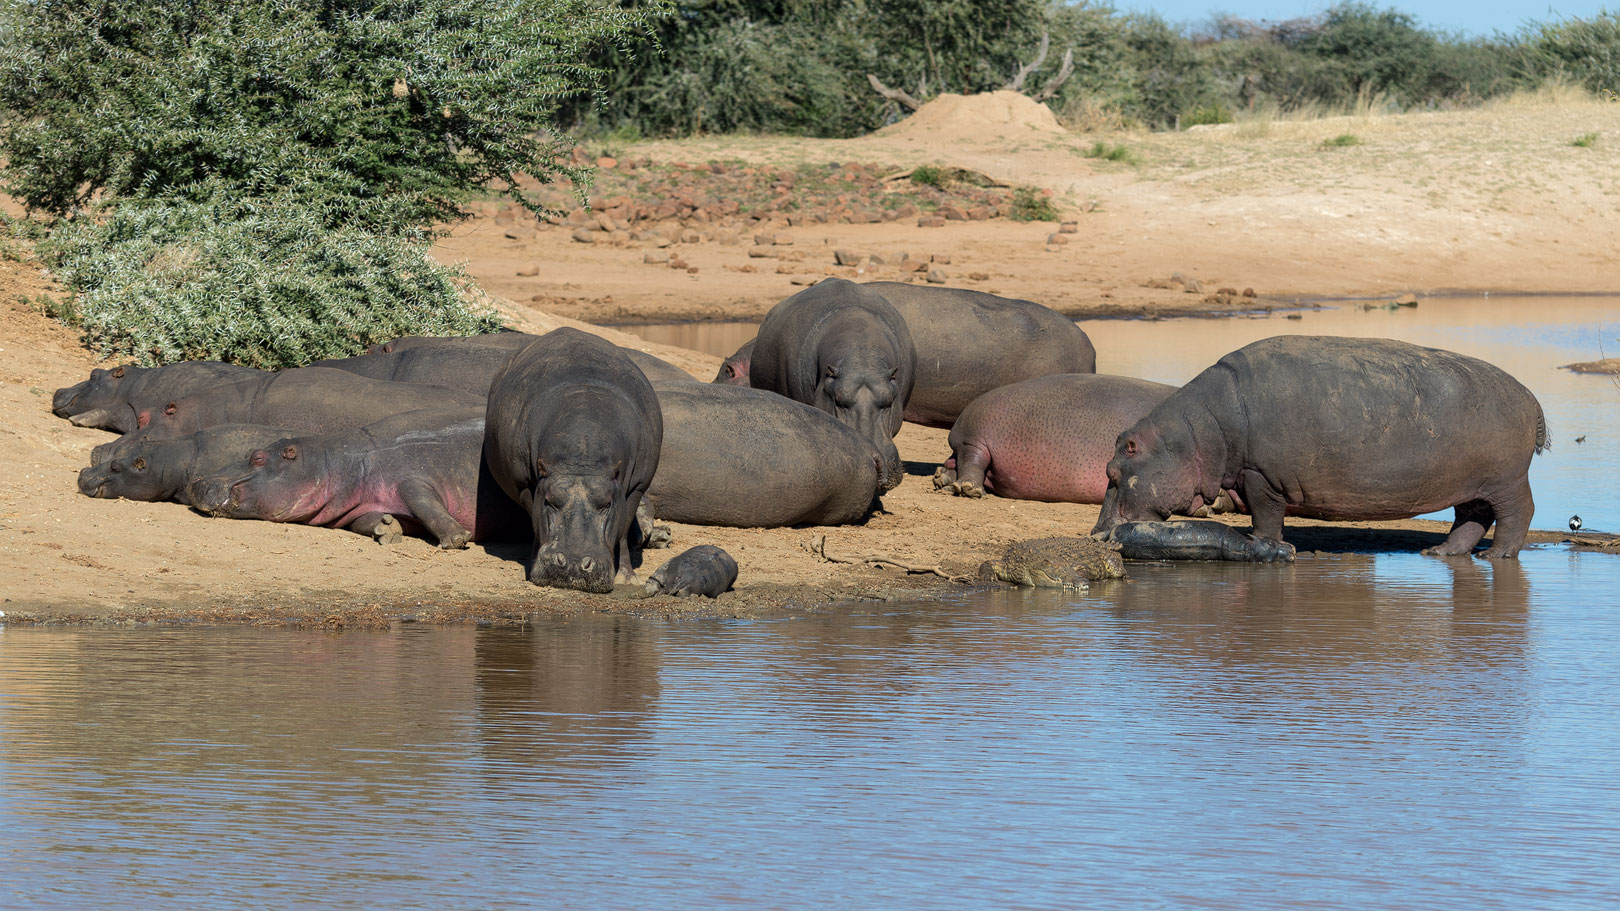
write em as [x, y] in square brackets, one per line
[93, 481]
[215, 496]
[65, 398]
[559, 570]
[891, 471]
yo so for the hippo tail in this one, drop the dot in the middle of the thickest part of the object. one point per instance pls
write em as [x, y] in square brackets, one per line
[1543, 438]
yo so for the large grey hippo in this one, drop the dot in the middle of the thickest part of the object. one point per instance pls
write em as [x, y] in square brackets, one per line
[1338, 428]
[752, 459]
[152, 470]
[840, 347]
[466, 361]
[1049, 438]
[573, 435]
[970, 342]
[421, 470]
[111, 399]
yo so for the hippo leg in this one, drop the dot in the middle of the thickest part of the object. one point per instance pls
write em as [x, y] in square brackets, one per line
[1266, 505]
[945, 475]
[428, 507]
[972, 461]
[1514, 511]
[1473, 518]
[379, 525]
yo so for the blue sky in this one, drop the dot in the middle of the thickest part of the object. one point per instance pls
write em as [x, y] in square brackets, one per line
[1480, 18]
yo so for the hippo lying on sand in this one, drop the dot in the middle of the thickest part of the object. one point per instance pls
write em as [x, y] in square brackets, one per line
[573, 436]
[843, 349]
[1338, 428]
[110, 399]
[153, 470]
[703, 570]
[422, 469]
[751, 459]
[467, 362]
[309, 399]
[1049, 438]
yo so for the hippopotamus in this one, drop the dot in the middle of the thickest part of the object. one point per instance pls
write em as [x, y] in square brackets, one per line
[1194, 541]
[467, 362]
[703, 570]
[155, 470]
[752, 459]
[110, 399]
[970, 342]
[308, 399]
[421, 470]
[1338, 428]
[734, 369]
[842, 348]
[1049, 438]
[573, 436]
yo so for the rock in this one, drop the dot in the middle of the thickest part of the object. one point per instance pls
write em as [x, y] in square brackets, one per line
[690, 237]
[978, 276]
[763, 240]
[1055, 563]
[1056, 240]
[936, 277]
[943, 259]
[784, 269]
[584, 236]
[916, 265]
[979, 213]
[663, 242]
[1405, 300]
[1249, 292]
[1193, 286]
[528, 271]
[952, 213]
[877, 260]
[606, 222]
[848, 257]
[761, 253]
[782, 240]
[805, 279]
[655, 257]
[1069, 227]
[675, 262]
[930, 221]
[606, 163]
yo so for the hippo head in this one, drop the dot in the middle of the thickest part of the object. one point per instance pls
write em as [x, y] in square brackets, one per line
[281, 485]
[99, 400]
[129, 477]
[734, 370]
[864, 392]
[1152, 475]
[576, 506]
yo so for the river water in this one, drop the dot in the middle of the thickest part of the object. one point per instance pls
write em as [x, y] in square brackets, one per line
[1529, 337]
[1384, 731]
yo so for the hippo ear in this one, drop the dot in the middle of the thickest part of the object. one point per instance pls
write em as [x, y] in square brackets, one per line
[731, 370]
[118, 373]
[618, 469]
[139, 464]
[290, 452]
[540, 466]
[1131, 448]
[169, 408]
[142, 419]
[388, 348]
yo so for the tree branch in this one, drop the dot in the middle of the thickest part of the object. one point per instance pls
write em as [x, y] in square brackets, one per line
[1017, 83]
[1063, 74]
[898, 96]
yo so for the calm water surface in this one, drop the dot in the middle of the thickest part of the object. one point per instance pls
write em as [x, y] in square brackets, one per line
[1529, 337]
[1359, 732]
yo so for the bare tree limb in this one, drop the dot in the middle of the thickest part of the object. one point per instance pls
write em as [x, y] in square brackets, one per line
[1063, 74]
[818, 546]
[898, 96]
[1017, 83]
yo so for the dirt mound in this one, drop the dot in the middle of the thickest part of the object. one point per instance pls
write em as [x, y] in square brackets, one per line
[976, 117]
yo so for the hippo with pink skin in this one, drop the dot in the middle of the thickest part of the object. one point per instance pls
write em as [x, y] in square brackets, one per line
[111, 399]
[734, 369]
[421, 471]
[153, 470]
[308, 399]
[1049, 438]
[1338, 428]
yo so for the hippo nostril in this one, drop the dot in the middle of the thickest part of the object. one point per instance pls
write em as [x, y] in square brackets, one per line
[586, 564]
[559, 561]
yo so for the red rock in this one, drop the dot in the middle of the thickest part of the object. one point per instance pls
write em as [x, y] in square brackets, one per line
[1069, 227]
[943, 259]
[606, 163]
[584, 236]
[936, 277]
[952, 213]
[979, 213]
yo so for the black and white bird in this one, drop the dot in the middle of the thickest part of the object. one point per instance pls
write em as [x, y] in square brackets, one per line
[1574, 523]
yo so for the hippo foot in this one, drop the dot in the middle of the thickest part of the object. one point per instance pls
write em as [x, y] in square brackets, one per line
[968, 489]
[658, 538]
[457, 541]
[387, 531]
[944, 479]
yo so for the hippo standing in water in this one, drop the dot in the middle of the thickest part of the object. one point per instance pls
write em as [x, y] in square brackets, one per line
[841, 348]
[1338, 428]
[423, 470]
[154, 470]
[110, 399]
[1049, 438]
[968, 343]
[752, 459]
[573, 436]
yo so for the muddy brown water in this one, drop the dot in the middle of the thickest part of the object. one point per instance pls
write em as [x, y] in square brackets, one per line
[1529, 337]
[1366, 732]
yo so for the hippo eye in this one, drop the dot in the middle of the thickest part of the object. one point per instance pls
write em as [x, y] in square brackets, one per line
[139, 464]
[258, 459]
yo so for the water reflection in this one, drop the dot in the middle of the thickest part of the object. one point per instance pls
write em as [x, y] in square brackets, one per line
[1347, 732]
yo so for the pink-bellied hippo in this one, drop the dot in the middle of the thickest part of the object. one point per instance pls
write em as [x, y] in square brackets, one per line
[1048, 438]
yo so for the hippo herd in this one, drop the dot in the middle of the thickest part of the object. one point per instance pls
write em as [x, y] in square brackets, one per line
[576, 444]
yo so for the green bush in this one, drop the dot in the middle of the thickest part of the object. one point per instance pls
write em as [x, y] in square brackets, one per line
[928, 175]
[1030, 204]
[1108, 152]
[1584, 141]
[1342, 141]
[262, 282]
